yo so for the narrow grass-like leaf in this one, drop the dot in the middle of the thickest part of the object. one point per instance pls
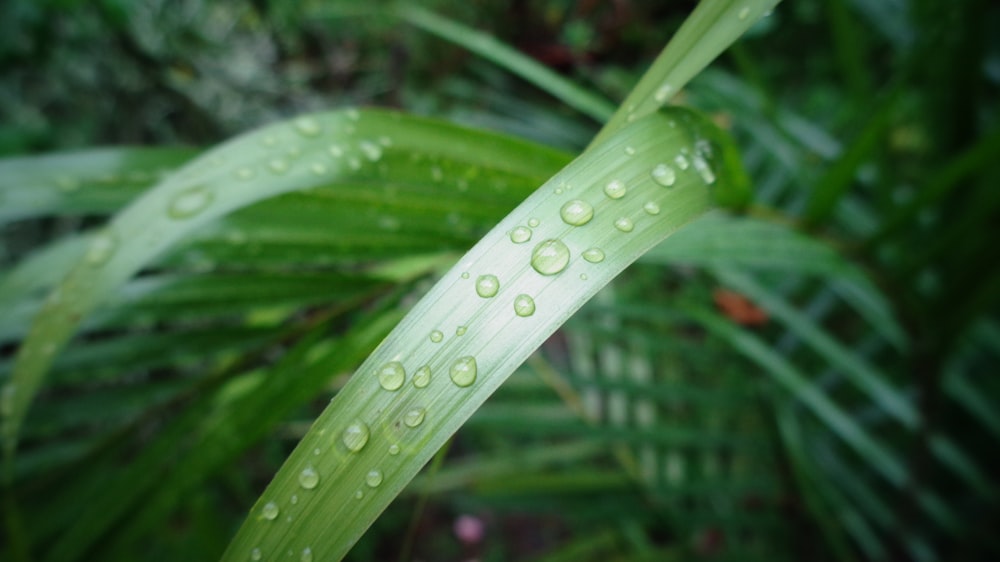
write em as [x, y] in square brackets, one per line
[512, 290]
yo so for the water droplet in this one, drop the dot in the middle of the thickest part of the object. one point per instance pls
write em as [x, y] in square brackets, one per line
[269, 511]
[67, 184]
[355, 436]
[487, 286]
[460, 331]
[371, 150]
[576, 212]
[385, 141]
[744, 13]
[436, 336]
[624, 224]
[550, 257]
[681, 162]
[465, 275]
[583, 277]
[307, 555]
[629, 150]
[245, 173]
[436, 173]
[422, 377]
[533, 222]
[309, 478]
[278, 165]
[393, 449]
[269, 140]
[255, 554]
[664, 175]
[651, 208]
[336, 151]
[415, 417]
[373, 478]
[353, 114]
[317, 451]
[594, 255]
[615, 189]
[189, 203]
[391, 376]
[704, 170]
[663, 93]
[520, 235]
[358, 495]
[318, 169]
[307, 126]
[294, 499]
[524, 305]
[101, 248]
[463, 371]
[354, 164]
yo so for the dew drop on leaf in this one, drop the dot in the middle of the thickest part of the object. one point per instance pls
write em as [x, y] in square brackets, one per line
[520, 235]
[415, 417]
[269, 511]
[703, 169]
[307, 555]
[335, 151]
[307, 126]
[664, 175]
[393, 449]
[576, 212]
[460, 331]
[651, 208]
[391, 375]
[624, 224]
[681, 161]
[318, 169]
[436, 336]
[662, 93]
[309, 478]
[373, 478]
[255, 554]
[593, 255]
[550, 257]
[101, 248]
[533, 222]
[278, 165]
[615, 189]
[487, 286]
[524, 305]
[371, 150]
[355, 436]
[189, 203]
[463, 371]
[422, 377]
[358, 495]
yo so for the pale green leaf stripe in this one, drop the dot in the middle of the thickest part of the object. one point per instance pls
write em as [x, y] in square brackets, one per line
[373, 439]
[349, 148]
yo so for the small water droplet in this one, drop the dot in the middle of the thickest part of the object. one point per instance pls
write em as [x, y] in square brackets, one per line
[615, 189]
[594, 255]
[524, 305]
[576, 212]
[422, 377]
[353, 114]
[465, 275]
[67, 184]
[391, 376]
[354, 164]
[520, 235]
[624, 224]
[436, 173]
[307, 126]
[651, 208]
[436, 336]
[189, 203]
[744, 13]
[371, 150]
[385, 141]
[269, 511]
[704, 170]
[336, 151]
[393, 449]
[245, 173]
[681, 162]
[373, 478]
[460, 331]
[101, 248]
[533, 222]
[664, 175]
[663, 93]
[487, 286]
[309, 478]
[583, 277]
[294, 499]
[318, 169]
[269, 141]
[307, 555]
[415, 417]
[463, 371]
[550, 257]
[358, 495]
[278, 165]
[355, 436]
[629, 150]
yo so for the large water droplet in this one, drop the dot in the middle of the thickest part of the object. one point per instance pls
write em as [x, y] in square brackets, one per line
[436, 336]
[189, 203]
[355, 436]
[487, 286]
[520, 235]
[309, 478]
[704, 170]
[255, 554]
[576, 212]
[593, 255]
[373, 478]
[664, 175]
[615, 189]
[463, 371]
[624, 224]
[307, 126]
[651, 208]
[101, 248]
[415, 417]
[422, 377]
[371, 150]
[269, 511]
[391, 376]
[307, 555]
[550, 257]
[524, 305]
